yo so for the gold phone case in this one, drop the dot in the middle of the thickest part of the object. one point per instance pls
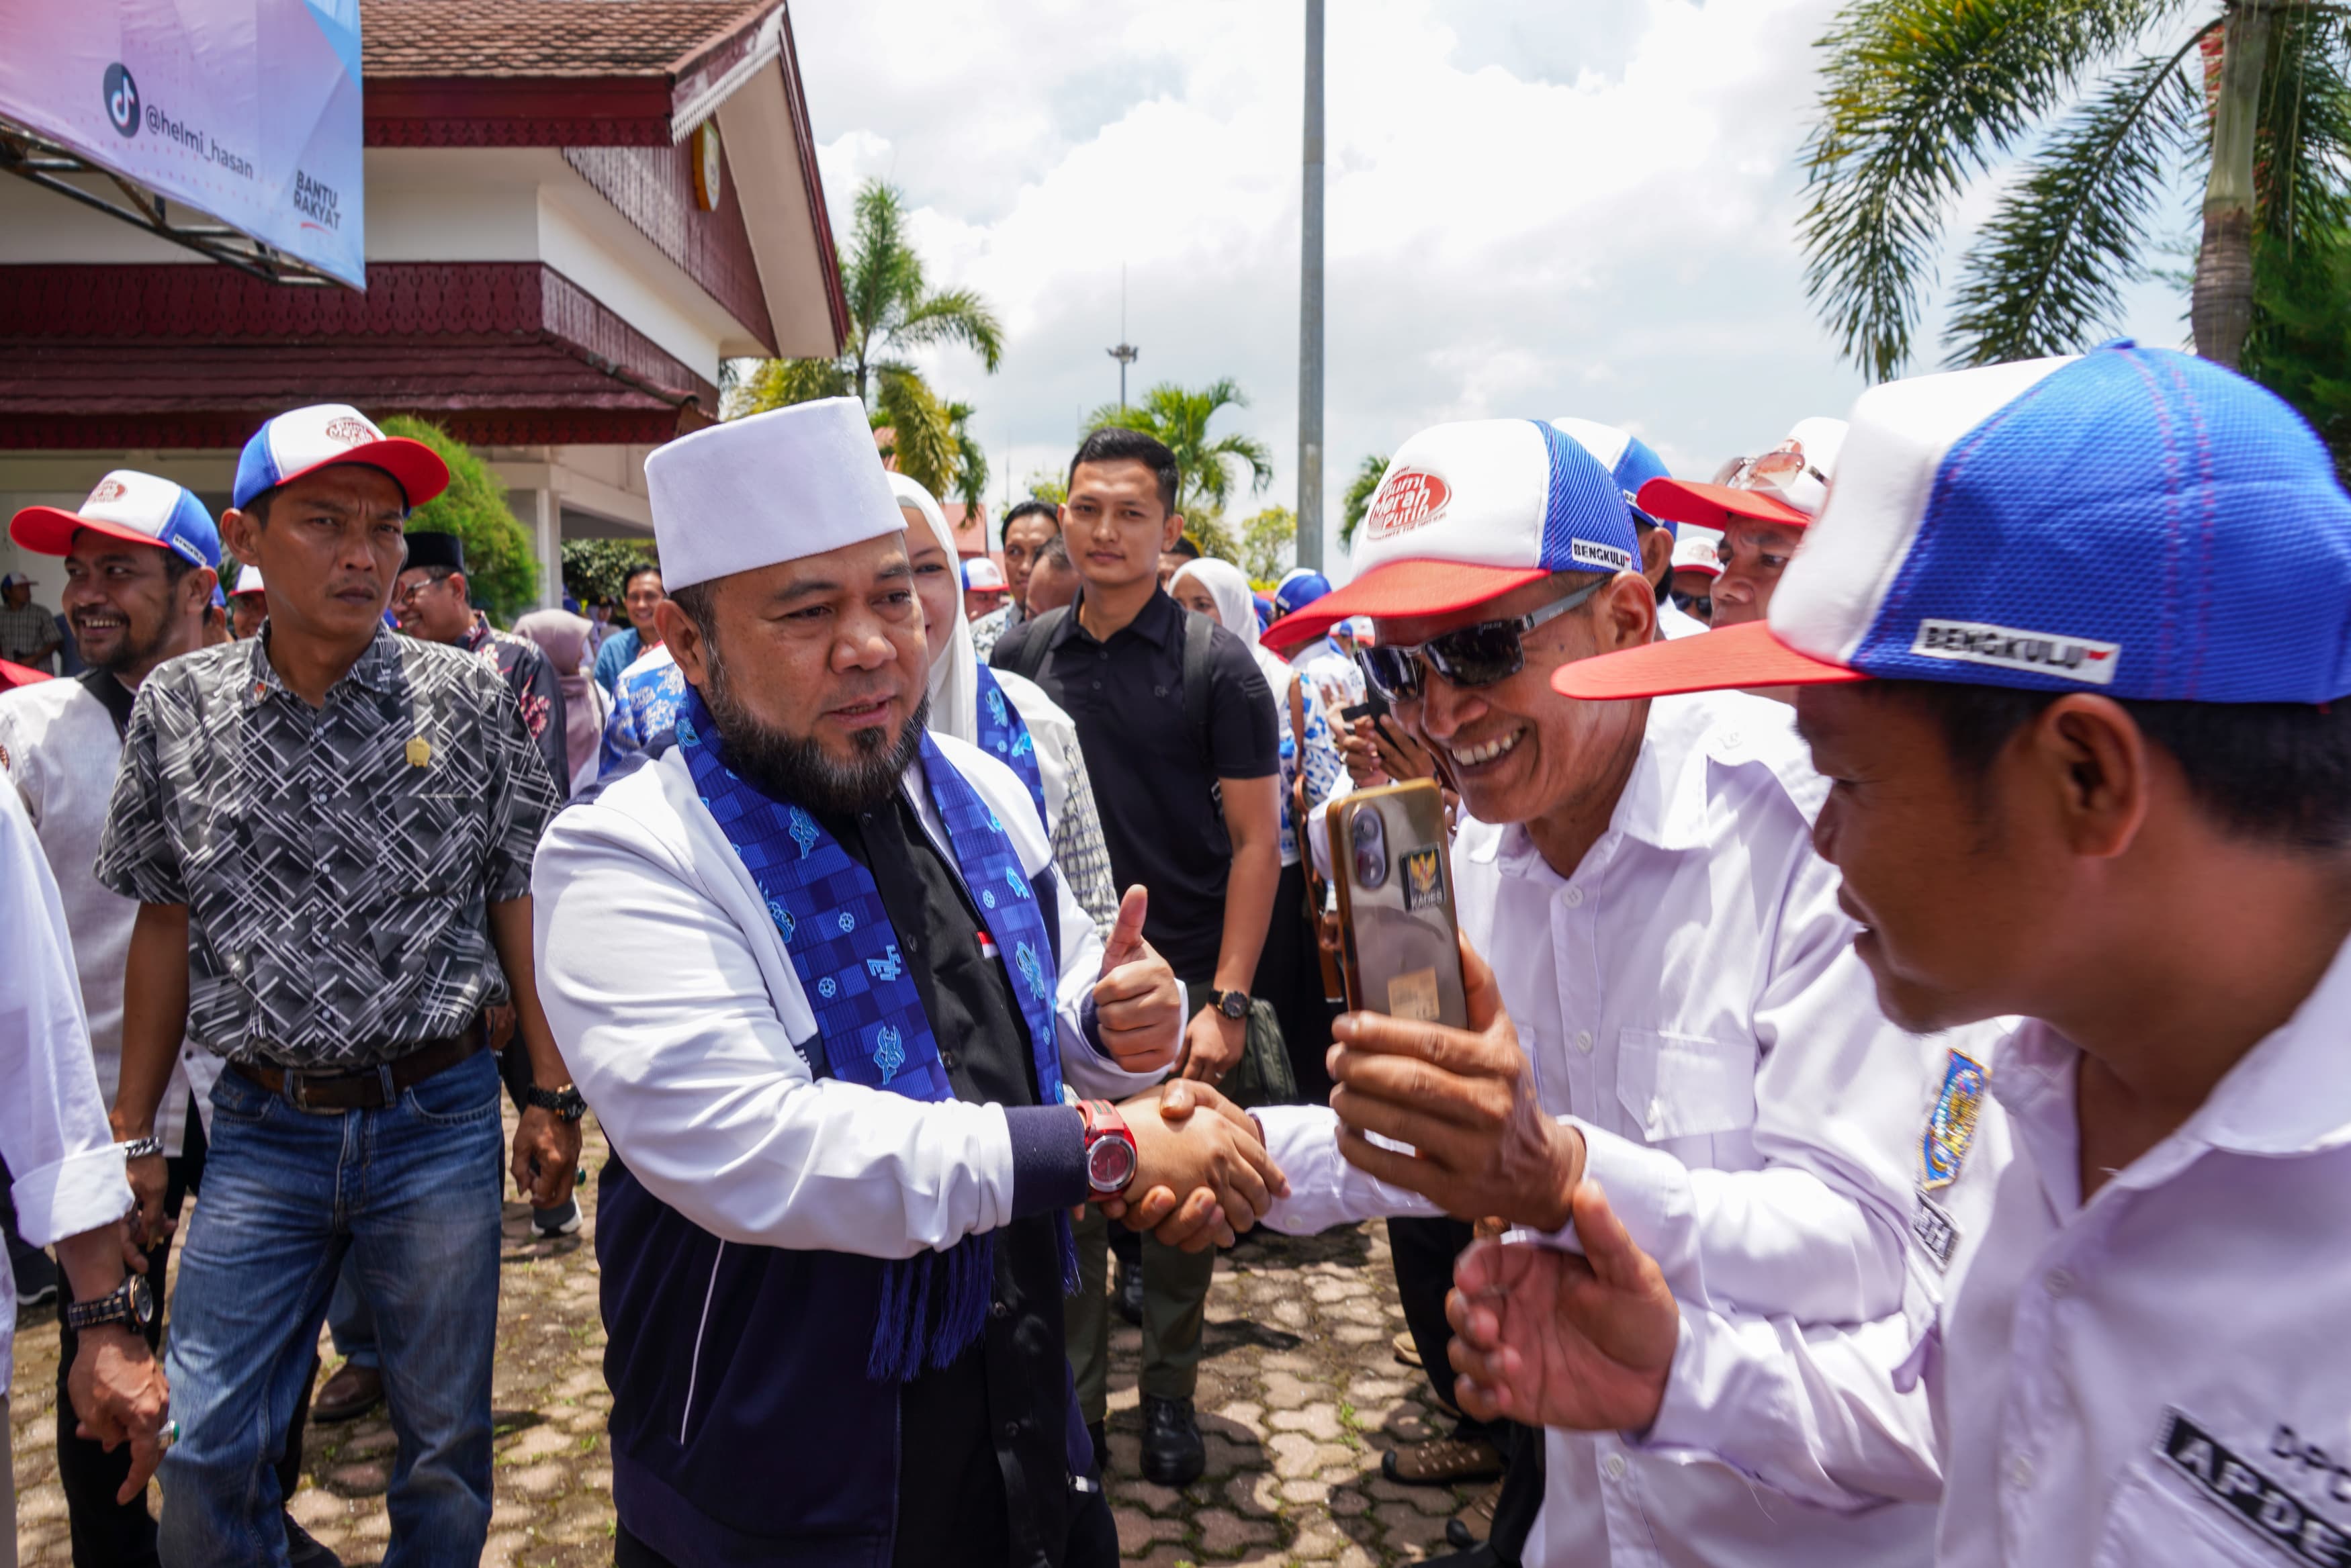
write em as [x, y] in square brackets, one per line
[1396, 904]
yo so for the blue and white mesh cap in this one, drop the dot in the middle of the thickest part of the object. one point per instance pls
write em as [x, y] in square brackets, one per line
[1628, 459]
[1469, 512]
[297, 442]
[130, 506]
[2114, 522]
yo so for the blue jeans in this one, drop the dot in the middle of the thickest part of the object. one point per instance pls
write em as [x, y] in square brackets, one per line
[410, 1194]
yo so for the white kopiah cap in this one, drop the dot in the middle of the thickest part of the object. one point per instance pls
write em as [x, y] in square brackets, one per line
[775, 487]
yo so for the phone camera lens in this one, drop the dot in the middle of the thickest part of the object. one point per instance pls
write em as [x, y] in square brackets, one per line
[1370, 839]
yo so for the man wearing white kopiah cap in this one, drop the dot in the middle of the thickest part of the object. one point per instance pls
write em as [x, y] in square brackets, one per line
[1762, 511]
[2042, 786]
[1674, 1008]
[835, 1233]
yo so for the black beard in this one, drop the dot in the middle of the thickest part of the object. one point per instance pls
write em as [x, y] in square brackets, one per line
[131, 652]
[797, 770]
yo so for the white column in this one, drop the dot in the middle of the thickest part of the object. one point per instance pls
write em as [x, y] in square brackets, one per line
[546, 539]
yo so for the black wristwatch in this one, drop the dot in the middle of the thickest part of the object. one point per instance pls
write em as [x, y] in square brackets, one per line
[564, 1102]
[1233, 1004]
[130, 1304]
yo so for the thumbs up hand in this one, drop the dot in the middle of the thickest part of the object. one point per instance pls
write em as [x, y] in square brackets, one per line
[1138, 1006]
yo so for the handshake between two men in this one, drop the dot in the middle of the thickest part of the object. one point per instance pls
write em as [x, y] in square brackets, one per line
[1542, 1335]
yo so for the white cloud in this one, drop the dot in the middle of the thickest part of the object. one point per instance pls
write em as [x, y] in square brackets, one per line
[1532, 209]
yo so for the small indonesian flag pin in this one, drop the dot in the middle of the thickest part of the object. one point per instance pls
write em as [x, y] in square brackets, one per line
[419, 750]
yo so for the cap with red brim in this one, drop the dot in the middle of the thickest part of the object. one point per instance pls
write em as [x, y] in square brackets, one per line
[50, 530]
[1734, 658]
[1398, 590]
[1716, 505]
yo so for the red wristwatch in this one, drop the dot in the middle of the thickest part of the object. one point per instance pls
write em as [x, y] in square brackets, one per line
[1111, 1157]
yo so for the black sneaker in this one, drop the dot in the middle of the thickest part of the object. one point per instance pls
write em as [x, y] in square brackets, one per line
[560, 1220]
[36, 1278]
[1173, 1454]
[304, 1550]
[1098, 1432]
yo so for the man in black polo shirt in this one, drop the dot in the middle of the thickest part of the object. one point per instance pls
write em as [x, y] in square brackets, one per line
[1189, 805]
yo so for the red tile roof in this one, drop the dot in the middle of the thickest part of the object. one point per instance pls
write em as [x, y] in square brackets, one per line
[545, 37]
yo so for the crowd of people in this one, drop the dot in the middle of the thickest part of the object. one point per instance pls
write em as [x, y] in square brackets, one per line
[1900, 1118]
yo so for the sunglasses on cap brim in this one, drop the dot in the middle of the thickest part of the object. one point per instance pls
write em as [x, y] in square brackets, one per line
[1478, 655]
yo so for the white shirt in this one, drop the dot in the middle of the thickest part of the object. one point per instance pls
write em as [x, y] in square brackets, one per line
[1338, 678]
[1689, 999]
[1675, 622]
[2160, 1375]
[669, 991]
[58, 747]
[66, 1168]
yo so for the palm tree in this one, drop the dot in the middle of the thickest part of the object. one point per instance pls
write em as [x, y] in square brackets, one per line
[1179, 418]
[1919, 97]
[1368, 475]
[971, 459]
[892, 310]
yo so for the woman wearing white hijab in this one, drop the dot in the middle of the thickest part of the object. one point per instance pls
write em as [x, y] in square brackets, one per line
[1289, 972]
[960, 684]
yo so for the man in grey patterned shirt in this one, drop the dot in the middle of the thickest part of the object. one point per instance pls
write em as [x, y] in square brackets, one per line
[329, 830]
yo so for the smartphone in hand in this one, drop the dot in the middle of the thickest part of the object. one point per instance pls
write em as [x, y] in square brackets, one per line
[1400, 943]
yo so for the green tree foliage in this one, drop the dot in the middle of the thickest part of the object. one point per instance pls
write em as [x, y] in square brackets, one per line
[893, 311]
[1269, 541]
[1049, 484]
[1921, 99]
[1179, 418]
[970, 484]
[2300, 347]
[500, 569]
[598, 569]
[1368, 475]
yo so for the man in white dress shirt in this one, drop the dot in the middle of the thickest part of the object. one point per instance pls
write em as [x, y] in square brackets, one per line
[140, 556]
[2127, 816]
[813, 969]
[68, 1185]
[1692, 1025]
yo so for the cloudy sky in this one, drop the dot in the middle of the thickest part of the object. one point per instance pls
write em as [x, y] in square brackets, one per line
[1533, 209]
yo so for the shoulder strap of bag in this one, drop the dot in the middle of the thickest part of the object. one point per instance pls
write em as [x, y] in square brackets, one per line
[1028, 652]
[1198, 633]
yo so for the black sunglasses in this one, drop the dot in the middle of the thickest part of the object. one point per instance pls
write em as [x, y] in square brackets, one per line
[1698, 605]
[1478, 655]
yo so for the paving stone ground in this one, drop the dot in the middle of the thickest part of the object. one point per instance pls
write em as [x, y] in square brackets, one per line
[1299, 1393]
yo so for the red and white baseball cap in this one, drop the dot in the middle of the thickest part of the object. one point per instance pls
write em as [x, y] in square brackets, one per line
[982, 576]
[1974, 514]
[305, 439]
[1469, 512]
[1788, 485]
[249, 581]
[138, 508]
[1698, 550]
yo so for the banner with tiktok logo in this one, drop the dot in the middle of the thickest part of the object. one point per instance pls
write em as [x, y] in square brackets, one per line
[246, 111]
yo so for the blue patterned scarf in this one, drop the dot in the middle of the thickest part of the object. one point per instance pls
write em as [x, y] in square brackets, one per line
[1005, 736]
[871, 1027]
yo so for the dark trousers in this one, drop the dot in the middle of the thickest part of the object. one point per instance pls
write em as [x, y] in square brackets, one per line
[1424, 1251]
[1092, 1543]
[106, 1534]
[1290, 976]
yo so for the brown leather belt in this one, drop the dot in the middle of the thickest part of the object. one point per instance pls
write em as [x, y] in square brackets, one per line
[364, 1088]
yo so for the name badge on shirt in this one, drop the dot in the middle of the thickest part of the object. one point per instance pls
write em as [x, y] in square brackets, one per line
[1936, 1229]
[2262, 1505]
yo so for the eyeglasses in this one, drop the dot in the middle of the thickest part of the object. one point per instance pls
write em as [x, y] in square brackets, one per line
[1698, 605]
[1782, 468]
[1478, 655]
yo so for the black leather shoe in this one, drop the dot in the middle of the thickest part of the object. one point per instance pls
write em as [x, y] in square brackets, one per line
[1094, 1429]
[304, 1550]
[1128, 1297]
[350, 1394]
[1173, 1454]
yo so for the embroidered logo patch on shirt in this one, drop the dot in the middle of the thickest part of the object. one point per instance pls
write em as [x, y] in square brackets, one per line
[1951, 1126]
[2262, 1505]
